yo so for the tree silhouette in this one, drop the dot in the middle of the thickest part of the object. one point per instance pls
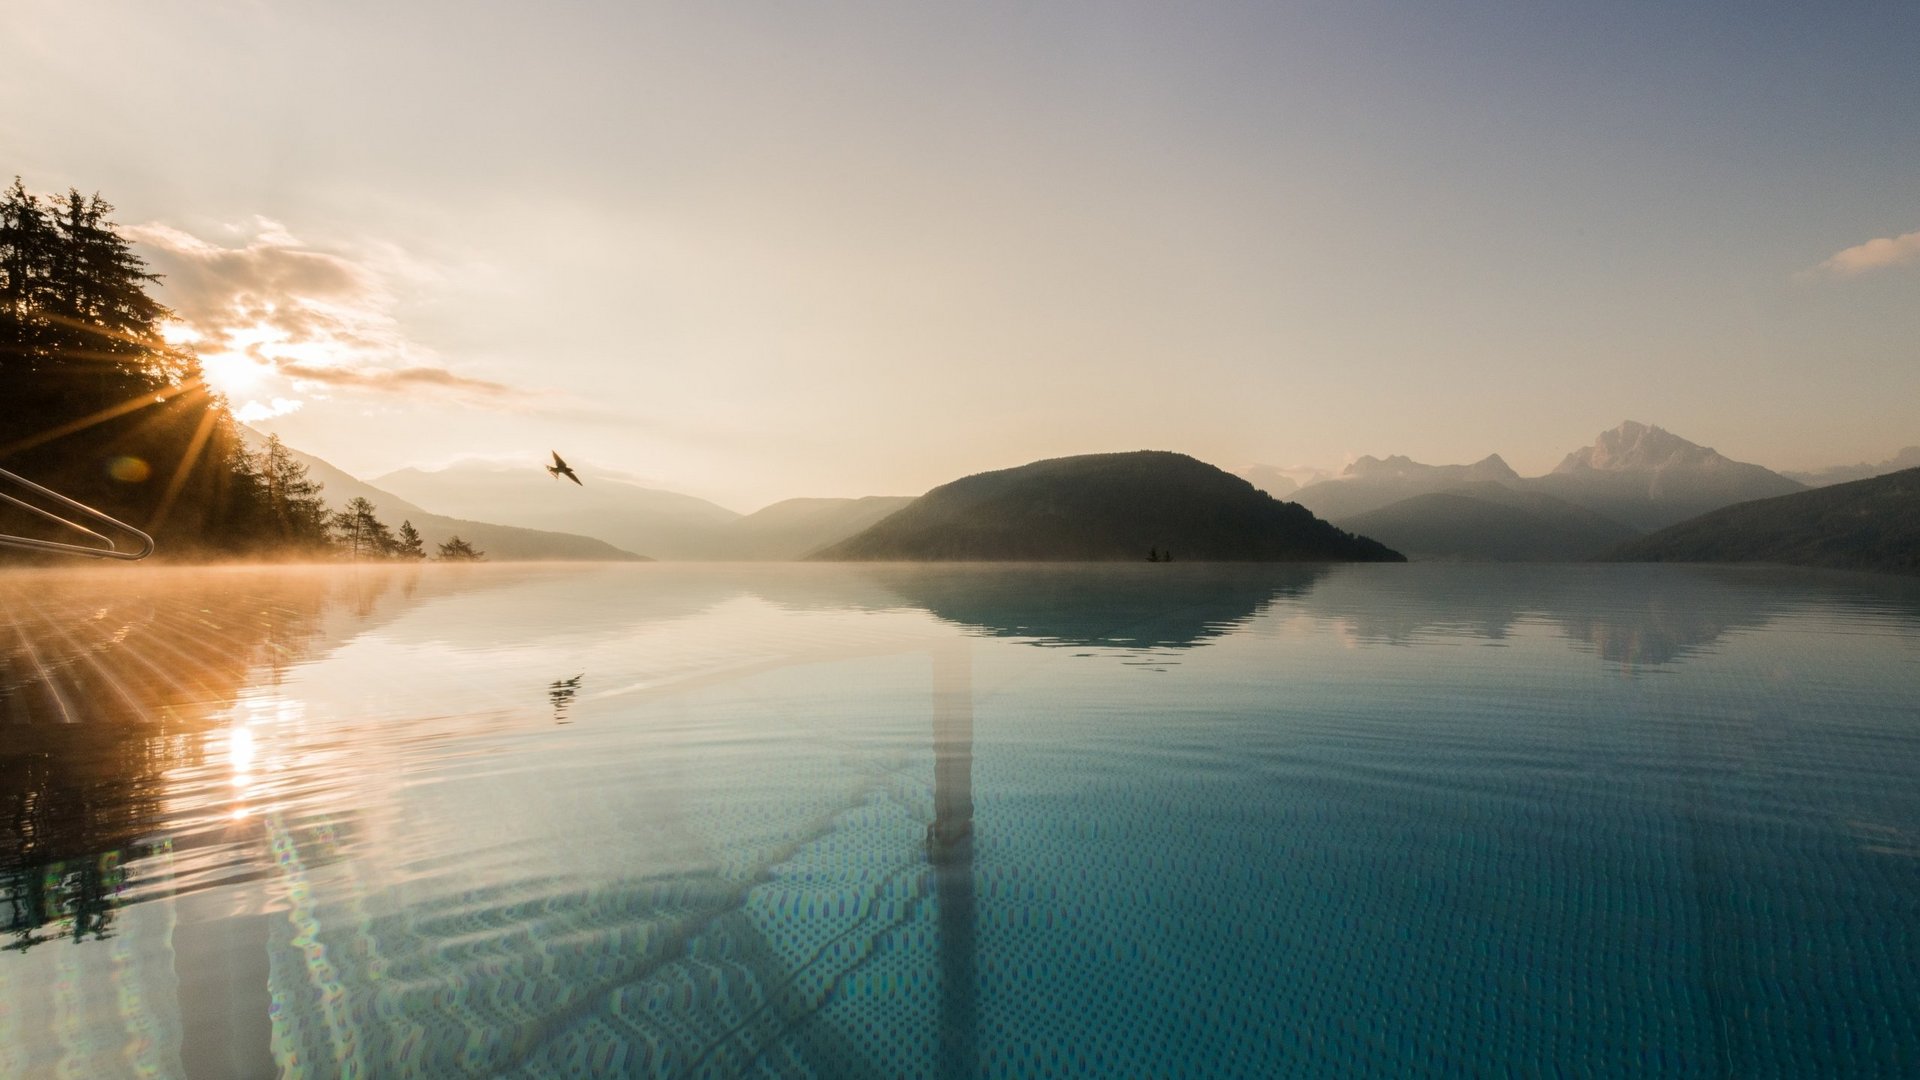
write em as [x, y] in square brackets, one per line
[275, 503]
[300, 514]
[96, 404]
[458, 550]
[363, 535]
[409, 544]
[77, 328]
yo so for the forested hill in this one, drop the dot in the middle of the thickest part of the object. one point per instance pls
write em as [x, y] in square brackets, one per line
[1105, 507]
[1865, 525]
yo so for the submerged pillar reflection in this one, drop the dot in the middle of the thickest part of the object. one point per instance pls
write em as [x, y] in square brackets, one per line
[950, 852]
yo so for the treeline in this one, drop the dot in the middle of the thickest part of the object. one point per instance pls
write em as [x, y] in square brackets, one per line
[359, 534]
[96, 404]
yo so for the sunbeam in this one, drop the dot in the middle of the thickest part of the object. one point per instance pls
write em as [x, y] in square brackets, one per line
[185, 468]
[133, 404]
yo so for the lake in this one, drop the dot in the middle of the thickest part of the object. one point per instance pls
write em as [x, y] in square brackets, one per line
[1142, 820]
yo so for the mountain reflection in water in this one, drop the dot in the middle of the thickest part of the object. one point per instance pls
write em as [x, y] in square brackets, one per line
[1629, 616]
[277, 807]
[1129, 607]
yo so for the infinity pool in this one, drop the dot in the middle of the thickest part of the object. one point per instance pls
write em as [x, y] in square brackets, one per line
[1145, 820]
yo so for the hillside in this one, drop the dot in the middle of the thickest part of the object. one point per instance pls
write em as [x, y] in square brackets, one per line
[1863, 525]
[500, 542]
[1491, 523]
[664, 524]
[1105, 507]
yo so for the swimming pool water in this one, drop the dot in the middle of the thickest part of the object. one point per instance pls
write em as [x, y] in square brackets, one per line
[953, 821]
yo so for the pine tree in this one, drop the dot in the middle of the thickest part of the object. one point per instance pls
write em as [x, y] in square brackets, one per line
[362, 533]
[27, 244]
[103, 312]
[249, 512]
[411, 547]
[299, 514]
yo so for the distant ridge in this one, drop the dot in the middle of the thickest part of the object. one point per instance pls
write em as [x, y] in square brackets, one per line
[1371, 483]
[1631, 479]
[500, 542]
[1863, 525]
[796, 528]
[664, 524]
[1281, 482]
[1399, 466]
[1907, 458]
[1105, 507]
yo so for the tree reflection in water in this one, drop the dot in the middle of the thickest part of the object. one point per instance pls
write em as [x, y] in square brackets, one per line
[109, 682]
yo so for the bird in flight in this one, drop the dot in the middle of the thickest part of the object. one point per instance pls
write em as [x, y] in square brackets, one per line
[560, 468]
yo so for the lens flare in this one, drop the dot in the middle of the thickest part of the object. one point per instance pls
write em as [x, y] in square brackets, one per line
[129, 469]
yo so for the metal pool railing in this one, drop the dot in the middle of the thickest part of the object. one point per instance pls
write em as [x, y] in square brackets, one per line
[143, 543]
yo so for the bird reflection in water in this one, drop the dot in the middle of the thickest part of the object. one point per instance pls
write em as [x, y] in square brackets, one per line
[560, 695]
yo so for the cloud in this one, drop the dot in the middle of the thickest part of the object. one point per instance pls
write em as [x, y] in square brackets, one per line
[391, 378]
[318, 319]
[253, 412]
[1879, 254]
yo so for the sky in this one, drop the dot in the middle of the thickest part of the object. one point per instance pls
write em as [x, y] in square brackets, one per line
[750, 251]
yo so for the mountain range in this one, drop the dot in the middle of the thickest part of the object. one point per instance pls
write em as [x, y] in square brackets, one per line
[1105, 507]
[1630, 480]
[1371, 483]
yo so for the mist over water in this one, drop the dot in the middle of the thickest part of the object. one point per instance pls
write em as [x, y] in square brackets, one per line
[958, 820]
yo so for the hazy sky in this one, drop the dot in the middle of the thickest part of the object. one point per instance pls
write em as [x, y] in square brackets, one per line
[750, 251]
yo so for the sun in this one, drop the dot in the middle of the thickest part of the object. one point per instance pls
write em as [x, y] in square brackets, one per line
[228, 372]
[232, 374]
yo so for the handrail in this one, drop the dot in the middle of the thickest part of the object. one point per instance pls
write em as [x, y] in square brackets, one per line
[111, 551]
